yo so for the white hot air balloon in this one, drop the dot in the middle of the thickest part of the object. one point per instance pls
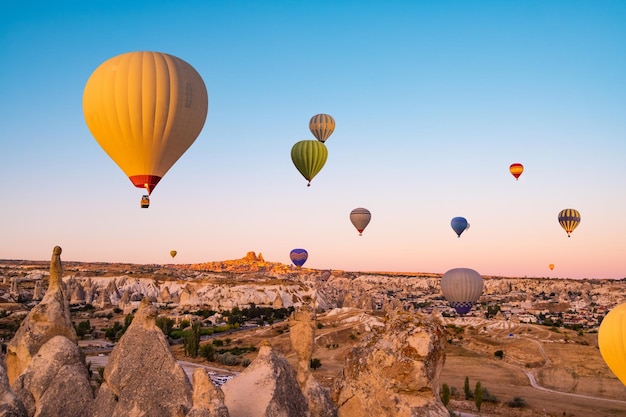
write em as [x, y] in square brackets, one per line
[462, 287]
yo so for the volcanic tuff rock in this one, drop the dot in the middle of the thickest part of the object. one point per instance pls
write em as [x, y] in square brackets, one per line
[272, 382]
[49, 318]
[208, 400]
[10, 405]
[56, 382]
[142, 377]
[302, 324]
[395, 370]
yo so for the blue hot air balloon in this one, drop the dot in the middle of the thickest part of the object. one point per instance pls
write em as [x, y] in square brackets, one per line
[298, 257]
[459, 225]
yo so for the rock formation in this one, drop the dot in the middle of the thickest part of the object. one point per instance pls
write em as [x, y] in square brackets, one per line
[275, 388]
[49, 318]
[302, 325]
[208, 400]
[142, 377]
[56, 382]
[395, 370]
[10, 405]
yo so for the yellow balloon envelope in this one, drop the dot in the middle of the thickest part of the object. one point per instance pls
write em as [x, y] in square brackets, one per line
[173, 253]
[145, 109]
[309, 157]
[322, 126]
[612, 341]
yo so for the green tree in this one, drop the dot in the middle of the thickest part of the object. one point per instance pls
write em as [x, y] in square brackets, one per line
[466, 389]
[445, 394]
[165, 324]
[478, 395]
[207, 351]
[191, 340]
[315, 363]
[83, 328]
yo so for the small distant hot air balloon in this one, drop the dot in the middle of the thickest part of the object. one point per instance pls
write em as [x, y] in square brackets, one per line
[173, 253]
[569, 220]
[298, 257]
[309, 157]
[459, 225]
[322, 126]
[360, 218]
[612, 341]
[551, 266]
[145, 109]
[516, 170]
[462, 287]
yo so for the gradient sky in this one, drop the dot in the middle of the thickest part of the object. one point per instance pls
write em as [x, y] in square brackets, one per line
[433, 101]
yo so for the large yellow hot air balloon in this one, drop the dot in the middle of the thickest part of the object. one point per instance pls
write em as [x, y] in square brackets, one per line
[173, 253]
[145, 109]
[551, 266]
[309, 157]
[322, 126]
[569, 220]
[612, 341]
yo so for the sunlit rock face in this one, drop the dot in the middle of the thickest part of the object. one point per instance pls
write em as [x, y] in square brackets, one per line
[395, 370]
[266, 388]
[142, 377]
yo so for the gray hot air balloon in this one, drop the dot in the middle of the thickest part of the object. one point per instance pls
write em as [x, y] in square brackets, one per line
[462, 287]
[360, 218]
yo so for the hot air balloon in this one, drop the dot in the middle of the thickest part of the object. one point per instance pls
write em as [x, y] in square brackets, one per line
[551, 266]
[459, 225]
[516, 170]
[322, 126]
[298, 257]
[173, 253]
[309, 156]
[145, 109]
[569, 220]
[360, 218]
[462, 287]
[612, 341]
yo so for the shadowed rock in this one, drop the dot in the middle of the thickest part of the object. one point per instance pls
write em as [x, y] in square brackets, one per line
[395, 370]
[10, 405]
[49, 318]
[266, 388]
[56, 383]
[302, 324]
[142, 378]
[208, 400]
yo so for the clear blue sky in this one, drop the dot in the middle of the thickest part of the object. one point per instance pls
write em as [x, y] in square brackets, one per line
[433, 101]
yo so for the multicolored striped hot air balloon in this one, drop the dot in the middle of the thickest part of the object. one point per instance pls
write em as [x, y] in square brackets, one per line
[569, 220]
[462, 287]
[298, 257]
[459, 225]
[322, 126]
[516, 170]
[145, 109]
[612, 341]
[309, 157]
[360, 218]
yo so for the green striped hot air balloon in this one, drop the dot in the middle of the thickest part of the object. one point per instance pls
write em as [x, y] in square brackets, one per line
[569, 220]
[309, 156]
